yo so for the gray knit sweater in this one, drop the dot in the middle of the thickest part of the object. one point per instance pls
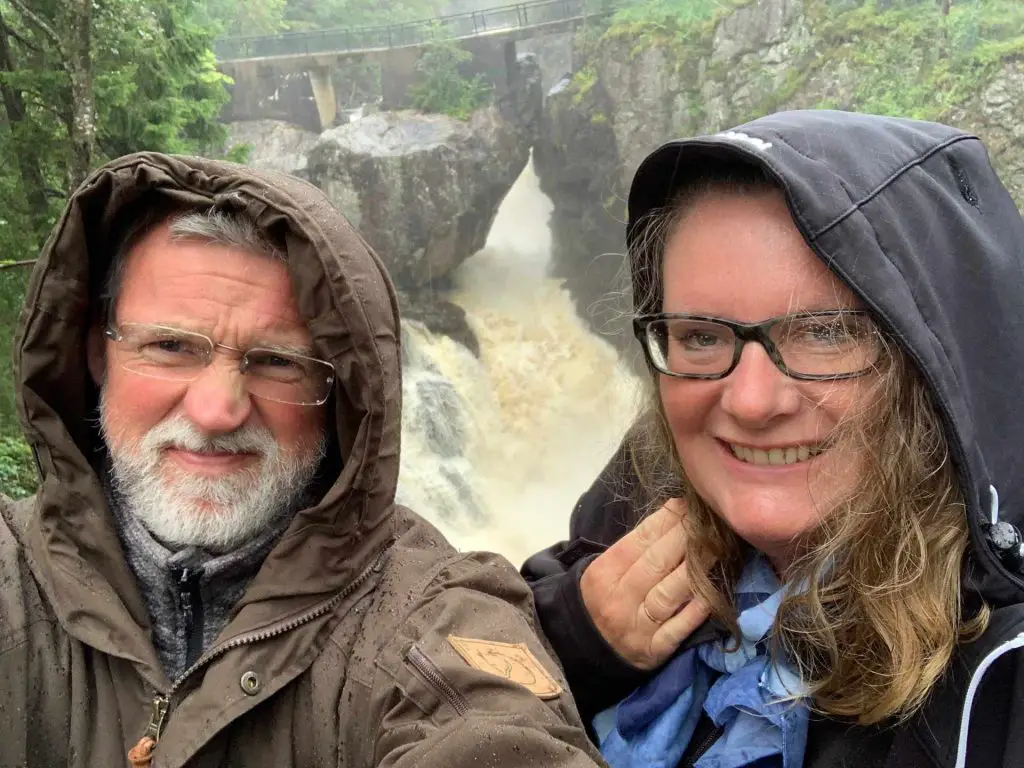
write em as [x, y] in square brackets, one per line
[190, 593]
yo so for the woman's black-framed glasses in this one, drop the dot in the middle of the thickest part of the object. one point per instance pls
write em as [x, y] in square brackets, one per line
[813, 346]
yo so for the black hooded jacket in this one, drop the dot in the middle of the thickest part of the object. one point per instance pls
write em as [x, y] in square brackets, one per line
[912, 217]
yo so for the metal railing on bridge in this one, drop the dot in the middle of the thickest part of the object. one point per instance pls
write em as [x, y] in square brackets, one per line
[412, 33]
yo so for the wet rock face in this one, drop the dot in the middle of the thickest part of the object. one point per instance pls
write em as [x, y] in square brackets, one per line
[763, 56]
[439, 316]
[577, 160]
[423, 189]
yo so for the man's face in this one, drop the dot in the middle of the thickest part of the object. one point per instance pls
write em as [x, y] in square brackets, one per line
[203, 462]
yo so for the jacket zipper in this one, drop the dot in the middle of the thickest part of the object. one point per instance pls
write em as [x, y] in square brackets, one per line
[156, 720]
[1013, 644]
[161, 702]
[141, 755]
[436, 679]
[705, 745]
[192, 609]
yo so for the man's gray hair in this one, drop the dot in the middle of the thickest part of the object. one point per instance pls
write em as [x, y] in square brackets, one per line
[213, 226]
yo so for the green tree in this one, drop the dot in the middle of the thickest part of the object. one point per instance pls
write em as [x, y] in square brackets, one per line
[159, 87]
[81, 82]
[442, 88]
[17, 468]
[242, 18]
[326, 14]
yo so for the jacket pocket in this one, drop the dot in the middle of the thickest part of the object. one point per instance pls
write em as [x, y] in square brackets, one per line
[432, 675]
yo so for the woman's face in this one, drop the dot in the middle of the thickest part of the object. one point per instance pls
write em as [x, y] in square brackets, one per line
[741, 258]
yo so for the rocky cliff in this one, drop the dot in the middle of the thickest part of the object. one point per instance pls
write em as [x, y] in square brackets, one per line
[655, 75]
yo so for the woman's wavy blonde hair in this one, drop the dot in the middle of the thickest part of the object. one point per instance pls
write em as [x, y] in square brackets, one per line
[883, 613]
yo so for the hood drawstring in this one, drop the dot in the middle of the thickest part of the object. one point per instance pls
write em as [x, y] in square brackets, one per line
[1004, 537]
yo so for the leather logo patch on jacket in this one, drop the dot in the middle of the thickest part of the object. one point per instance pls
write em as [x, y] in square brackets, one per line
[512, 661]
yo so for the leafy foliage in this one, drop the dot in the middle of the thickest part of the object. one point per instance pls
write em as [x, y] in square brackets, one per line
[12, 289]
[157, 83]
[242, 19]
[674, 23]
[900, 57]
[154, 85]
[442, 88]
[582, 83]
[17, 468]
[667, 13]
[941, 61]
[327, 14]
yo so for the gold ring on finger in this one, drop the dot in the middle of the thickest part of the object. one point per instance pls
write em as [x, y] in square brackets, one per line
[648, 614]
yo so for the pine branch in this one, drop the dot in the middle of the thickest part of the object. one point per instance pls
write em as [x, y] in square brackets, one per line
[40, 24]
[13, 264]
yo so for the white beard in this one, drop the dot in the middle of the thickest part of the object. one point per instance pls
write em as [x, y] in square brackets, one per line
[217, 514]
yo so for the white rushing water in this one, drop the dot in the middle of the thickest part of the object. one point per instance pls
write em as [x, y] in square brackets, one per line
[496, 451]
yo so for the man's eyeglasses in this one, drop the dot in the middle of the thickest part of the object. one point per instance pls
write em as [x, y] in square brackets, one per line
[816, 346]
[163, 352]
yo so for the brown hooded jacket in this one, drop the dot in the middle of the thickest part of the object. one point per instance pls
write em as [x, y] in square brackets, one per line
[344, 650]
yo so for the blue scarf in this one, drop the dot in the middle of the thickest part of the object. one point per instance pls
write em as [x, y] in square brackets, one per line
[752, 697]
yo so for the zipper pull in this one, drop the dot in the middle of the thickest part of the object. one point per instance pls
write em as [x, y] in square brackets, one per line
[185, 596]
[141, 755]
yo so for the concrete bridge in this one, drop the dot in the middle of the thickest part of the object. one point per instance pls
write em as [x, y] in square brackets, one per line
[273, 74]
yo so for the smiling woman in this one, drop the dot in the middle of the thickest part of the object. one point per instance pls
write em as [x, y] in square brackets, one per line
[800, 467]
[734, 433]
[810, 455]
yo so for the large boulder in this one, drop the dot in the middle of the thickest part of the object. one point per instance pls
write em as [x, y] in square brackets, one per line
[423, 189]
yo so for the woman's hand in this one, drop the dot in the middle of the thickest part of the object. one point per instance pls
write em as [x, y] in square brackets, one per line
[638, 593]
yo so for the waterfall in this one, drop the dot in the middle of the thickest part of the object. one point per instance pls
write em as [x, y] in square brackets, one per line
[496, 450]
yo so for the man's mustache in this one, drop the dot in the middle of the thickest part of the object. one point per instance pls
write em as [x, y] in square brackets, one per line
[181, 434]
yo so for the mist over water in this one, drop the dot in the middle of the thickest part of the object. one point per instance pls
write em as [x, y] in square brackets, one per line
[496, 451]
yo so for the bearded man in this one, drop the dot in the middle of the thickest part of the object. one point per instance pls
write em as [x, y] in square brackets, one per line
[214, 571]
